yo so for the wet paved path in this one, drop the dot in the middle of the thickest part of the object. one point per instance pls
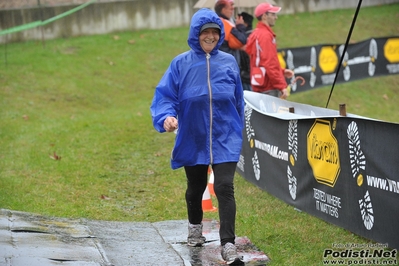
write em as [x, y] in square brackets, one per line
[32, 240]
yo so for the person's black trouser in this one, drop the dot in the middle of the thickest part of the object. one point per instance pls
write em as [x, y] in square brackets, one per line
[224, 190]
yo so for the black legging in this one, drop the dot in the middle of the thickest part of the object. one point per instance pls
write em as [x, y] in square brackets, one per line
[224, 190]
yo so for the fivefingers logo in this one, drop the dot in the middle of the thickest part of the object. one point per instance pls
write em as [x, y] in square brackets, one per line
[293, 148]
[255, 163]
[251, 140]
[292, 183]
[248, 127]
[366, 210]
[358, 165]
[293, 140]
[356, 156]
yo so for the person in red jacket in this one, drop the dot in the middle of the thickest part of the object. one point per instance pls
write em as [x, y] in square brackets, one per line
[267, 75]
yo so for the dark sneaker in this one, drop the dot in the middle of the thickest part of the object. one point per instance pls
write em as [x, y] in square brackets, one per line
[229, 254]
[195, 237]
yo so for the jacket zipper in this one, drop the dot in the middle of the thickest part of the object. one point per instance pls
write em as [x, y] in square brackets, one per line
[208, 56]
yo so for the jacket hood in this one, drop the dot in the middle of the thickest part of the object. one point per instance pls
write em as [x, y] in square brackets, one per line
[201, 17]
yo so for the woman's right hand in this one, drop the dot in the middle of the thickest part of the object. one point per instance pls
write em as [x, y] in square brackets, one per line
[170, 124]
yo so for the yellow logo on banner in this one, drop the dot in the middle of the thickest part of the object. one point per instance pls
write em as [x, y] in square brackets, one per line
[328, 60]
[391, 50]
[323, 155]
[280, 56]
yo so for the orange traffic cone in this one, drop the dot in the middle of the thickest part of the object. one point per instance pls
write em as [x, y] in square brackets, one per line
[207, 202]
[211, 181]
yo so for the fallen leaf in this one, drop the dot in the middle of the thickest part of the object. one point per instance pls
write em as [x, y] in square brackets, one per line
[25, 117]
[385, 97]
[116, 37]
[132, 41]
[55, 157]
[104, 197]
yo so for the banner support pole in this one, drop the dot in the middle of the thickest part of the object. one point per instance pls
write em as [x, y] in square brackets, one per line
[41, 19]
[342, 109]
[344, 51]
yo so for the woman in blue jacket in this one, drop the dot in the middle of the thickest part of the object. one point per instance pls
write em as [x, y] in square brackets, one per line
[200, 97]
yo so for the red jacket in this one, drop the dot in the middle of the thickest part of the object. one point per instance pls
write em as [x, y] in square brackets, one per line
[262, 50]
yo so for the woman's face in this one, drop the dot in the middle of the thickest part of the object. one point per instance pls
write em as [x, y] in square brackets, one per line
[208, 39]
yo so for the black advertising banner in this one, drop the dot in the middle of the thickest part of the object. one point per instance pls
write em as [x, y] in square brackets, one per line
[342, 169]
[318, 64]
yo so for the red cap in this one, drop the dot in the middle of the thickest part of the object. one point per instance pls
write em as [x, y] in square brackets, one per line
[266, 7]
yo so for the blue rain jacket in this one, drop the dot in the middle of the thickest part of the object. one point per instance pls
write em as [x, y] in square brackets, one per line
[205, 94]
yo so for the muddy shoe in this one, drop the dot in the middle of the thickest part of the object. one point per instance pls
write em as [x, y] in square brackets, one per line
[195, 237]
[230, 255]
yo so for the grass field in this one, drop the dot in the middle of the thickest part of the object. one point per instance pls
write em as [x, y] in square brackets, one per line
[87, 100]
